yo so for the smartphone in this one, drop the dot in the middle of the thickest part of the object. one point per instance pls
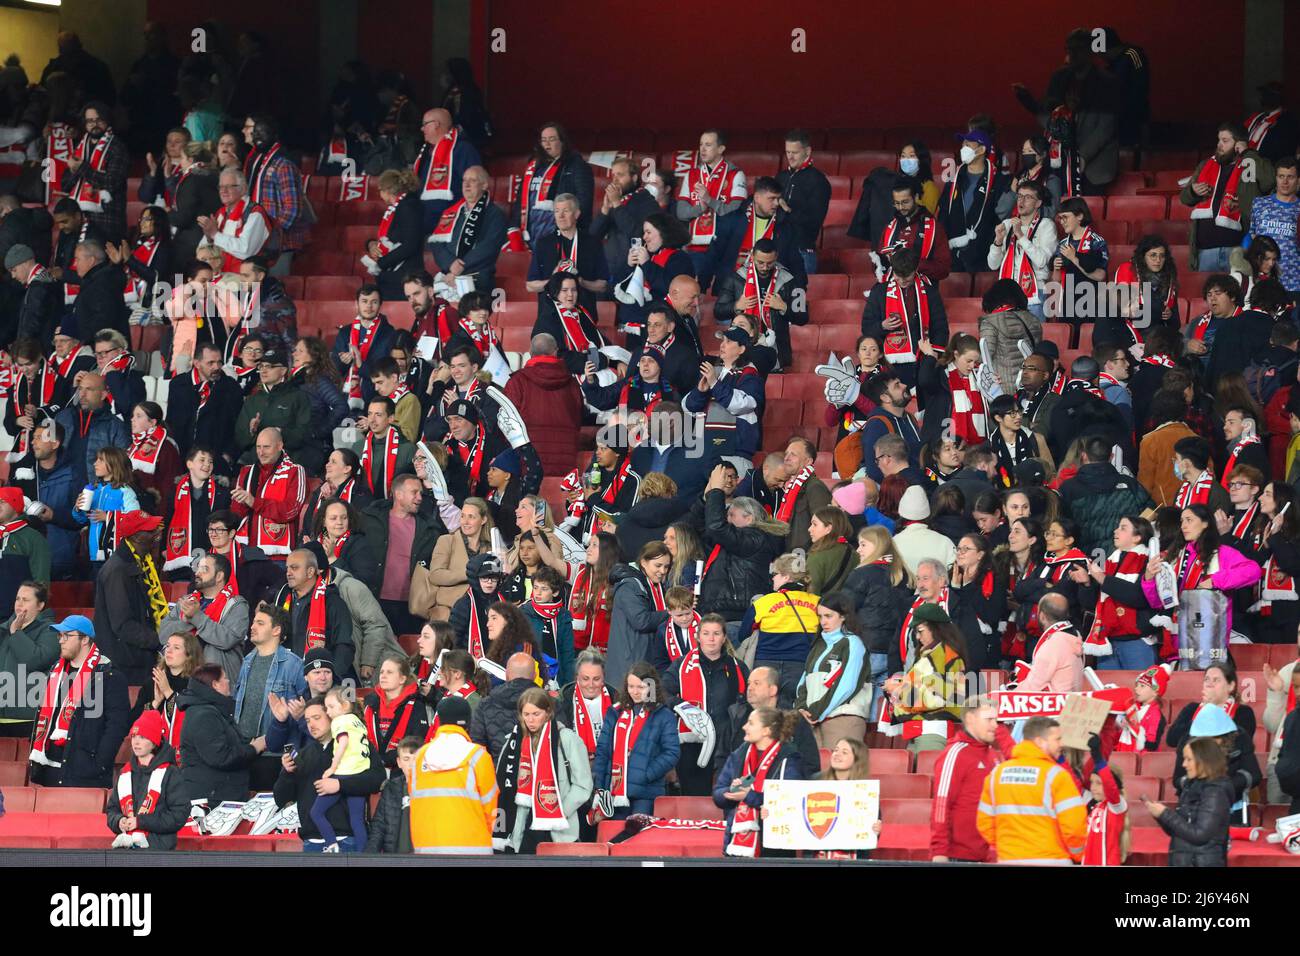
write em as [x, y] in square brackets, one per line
[288, 751]
[593, 357]
[636, 243]
[539, 511]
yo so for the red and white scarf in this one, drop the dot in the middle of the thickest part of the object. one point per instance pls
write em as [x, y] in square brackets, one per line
[582, 719]
[694, 689]
[745, 824]
[968, 414]
[387, 245]
[217, 606]
[720, 183]
[1260, 125]
[336, 549]
[256, 167]
[679, 643]
[1017, 265]
[180, 532]
[526, 203]
[1126, 274]
[790, 492]
[153, 794]
[905, 632]
[1214, 204]
[38, 392]
[630, 724]
[929, 231]
[58, 150]
[52, 728]
[362, 340]
[88, 197]
[537, 785]
[142, 460]
[392, 441]
[13, 527]
[463, 692]
[1112, 618]
[576, 338]
[477, 631]
[1245, 442]
[231, 221]
[286, 483]
[384, 726]
[316, 615]
[1275, 585]
[761, 311]
[900, 348]
[1196, 492]
[144, 253]
[471, 455]
[1191, 569]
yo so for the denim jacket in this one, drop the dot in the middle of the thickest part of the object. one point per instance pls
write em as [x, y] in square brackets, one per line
[284, 680]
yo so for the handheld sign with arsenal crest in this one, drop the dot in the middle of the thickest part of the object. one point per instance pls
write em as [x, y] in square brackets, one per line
[826, 815]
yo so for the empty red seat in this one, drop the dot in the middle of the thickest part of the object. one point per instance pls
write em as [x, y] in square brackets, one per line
[803, 385]
[70, 800]
[1135, 788]
[926, 761]
[1127, 184]
[1058, 332]
[1134, 208]
[20, 799]
[13, 773]
[955, 286]
[839, 212]
[9, 748]
[25, 841]
[828, 285]
[104, 842]
[841, 186]
[836, 312]
[688, 808]
[1250, 657]
[361, 213]
[1185, 684]
[836, 235]
[905, 812]
[860, 285]
[1125, 763]
[1097, 205]
[1172, 232]
[856, 262]
[840, 339]
[516, 338]
[1113, 230]
[573, 849]
[912, 786]
[889, 762]
[325, 288]
[963, 311]
[861, 162]
[755, 163]
[783, 412]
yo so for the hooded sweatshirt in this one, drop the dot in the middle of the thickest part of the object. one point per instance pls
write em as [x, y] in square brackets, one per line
[453, 796]
[549, 399]
[1057, 665]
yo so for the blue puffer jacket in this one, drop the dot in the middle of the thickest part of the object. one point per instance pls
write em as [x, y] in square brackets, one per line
[58, 488]
[110, 499]
[654, 754]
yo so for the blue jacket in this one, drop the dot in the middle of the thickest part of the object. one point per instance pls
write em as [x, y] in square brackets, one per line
[742, 395]
[382, 337]
[58, 488]
[654, 754]
[284, 680]
[105, 430]
[105, 498]
[786, 767]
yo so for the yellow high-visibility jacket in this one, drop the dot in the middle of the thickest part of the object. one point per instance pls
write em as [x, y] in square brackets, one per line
[1031, 810]
[453, 796]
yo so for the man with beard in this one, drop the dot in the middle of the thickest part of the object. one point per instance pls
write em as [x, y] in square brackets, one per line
[913, 227]
[1221, 193]
[317, 615]
[624, 206]
[766, 290]
[97, 171]
[681, 359]
[203, 405]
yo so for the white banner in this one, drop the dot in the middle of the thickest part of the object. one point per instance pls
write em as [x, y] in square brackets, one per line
[821, 814]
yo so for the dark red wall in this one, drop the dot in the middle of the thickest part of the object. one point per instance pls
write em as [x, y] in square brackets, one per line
[396, 34]
[666, 66]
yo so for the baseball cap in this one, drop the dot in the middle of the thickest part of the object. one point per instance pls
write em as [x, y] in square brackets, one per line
[273, 357]
[453, 711]
[739, 336]
[975, 136]
[76, 622]
[129, 522]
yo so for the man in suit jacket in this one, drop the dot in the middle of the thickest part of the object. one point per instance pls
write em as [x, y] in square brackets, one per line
[193, 419]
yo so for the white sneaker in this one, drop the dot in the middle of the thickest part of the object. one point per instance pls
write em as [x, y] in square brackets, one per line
[332, 848]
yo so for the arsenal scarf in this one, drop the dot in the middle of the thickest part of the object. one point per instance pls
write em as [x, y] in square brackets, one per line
[217, 606]
[612, 488]
[315, 616]
[361, 339]
[1083, 385]
[718, 181]
[1214, 205]
[566, 261]
[790, 492]
[142, 460]
[58, 149]
[1008, 457]
[11, 528]
[126, 799]
[280, 486]
[905, 632]
[1242, 526]
[386, 245]
[257, 165]
[231, 221]
[550, 648]
[463, 692]
[968, 417]
[1191, 569]
[1126, 274]
[202, 388]
[143, 253]
[1164, 361]
[542, 189]
[527, 777]
[1051, 631]
[1112, 618]
[745, 823]
[446, 228]
[1260, 125]
[575, 323]
[386, 724]
[52, 728]
[1195, 492]
[391, 440]
[1245, 442]
[180, 533]
[679, 643]
[929, 230]
[752, 234]
[582, 720]
[628, 728]
[87, 196]
[337, 548]
[38, 392]
[694, 689]
[1230, 708]
[1081, 246]
[1055, 566]
[1140, 726]
[754, 287]
[477, 626]
[1017, 265]
[900, 348]
[471, 455]
[233, 557]
[591, 612]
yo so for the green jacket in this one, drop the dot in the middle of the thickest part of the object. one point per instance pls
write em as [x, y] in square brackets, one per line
[824, 574]
[1260, 184]
[31, 650]
[286, 407]
[29, 543]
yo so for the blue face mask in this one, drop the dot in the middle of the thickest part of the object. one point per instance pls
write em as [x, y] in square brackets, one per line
[909, 165]
[1178, 469]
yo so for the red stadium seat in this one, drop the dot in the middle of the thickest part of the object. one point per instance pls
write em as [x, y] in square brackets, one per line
[63, 593]
[1172, 232]
[9, 748]
[1135, 788]
[783, 412]
[927, 760]
[841, 339]
[25, 841]
[856, 262]
[516, 338]
[1127, 184]
[688, 808]
[913, 786]
[840, 212]
[13, 773]
[293, 286]
[20, 799]
[1282, 654]
[841, 186]
[963, 311]
[361, 213]
[837, 236]
[517, 314]
[1113, 230]
[323, 288]
[955, 286]
[889, 762]
[513, 263]
[1097, 205]
[1058, 332]
[1135, 208]
[573, 849]
[1185, 684]
[755, 163]
[835, 312]
[804, 386]
[70, 800]
[828, 285]
[1250, 657]
[104, 842]
[1125, 763]
[860, 285]
[905, 812]
[861, 162]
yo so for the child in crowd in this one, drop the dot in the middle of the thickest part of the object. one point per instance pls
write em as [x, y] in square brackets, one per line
[351, 756]
[552, 622]
[103, 500]
[681, 634]
[1144, 721]
[1109, 830]
[390, 830]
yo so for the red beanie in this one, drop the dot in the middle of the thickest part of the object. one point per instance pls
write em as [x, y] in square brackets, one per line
[151, 726]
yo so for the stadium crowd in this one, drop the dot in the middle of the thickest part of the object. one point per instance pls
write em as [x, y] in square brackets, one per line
[445, 594]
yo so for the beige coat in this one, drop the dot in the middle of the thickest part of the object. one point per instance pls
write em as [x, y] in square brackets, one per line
[436, 588]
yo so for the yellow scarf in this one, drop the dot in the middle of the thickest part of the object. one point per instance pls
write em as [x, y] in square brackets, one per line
[157, 599]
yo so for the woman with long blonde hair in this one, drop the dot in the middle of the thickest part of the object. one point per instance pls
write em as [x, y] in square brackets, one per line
[879, 588]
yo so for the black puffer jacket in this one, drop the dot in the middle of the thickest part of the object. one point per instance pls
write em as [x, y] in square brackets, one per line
[162, 825]
[634, 622]
[496, 716]
[390, 828]
[647, 521]
[1198, 825]
[214, 758]
[880, 607]
[741, 568]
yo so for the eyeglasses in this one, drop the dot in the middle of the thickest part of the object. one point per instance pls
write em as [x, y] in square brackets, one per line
[103, 353]
[212, 531]
[966, 549]
[1240, 484]
[1033, 368]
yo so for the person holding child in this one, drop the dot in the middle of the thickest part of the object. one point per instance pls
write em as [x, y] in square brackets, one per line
[351, 758]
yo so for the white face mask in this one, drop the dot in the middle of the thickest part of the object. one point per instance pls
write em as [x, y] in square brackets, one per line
[967, 154]
[909, 165]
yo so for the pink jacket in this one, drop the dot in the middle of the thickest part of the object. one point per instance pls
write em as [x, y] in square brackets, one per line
[1235, 570]
[1057, 665]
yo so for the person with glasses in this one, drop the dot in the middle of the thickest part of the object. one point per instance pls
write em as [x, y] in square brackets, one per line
[96, 172]
[444, 156]
[977, 595]
[1036, 395]
[147, 258]
[1010, 440]
[1243, 526]
[117, 365]
[241, 228]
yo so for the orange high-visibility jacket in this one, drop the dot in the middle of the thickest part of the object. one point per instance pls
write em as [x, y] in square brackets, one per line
[1031, 810]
